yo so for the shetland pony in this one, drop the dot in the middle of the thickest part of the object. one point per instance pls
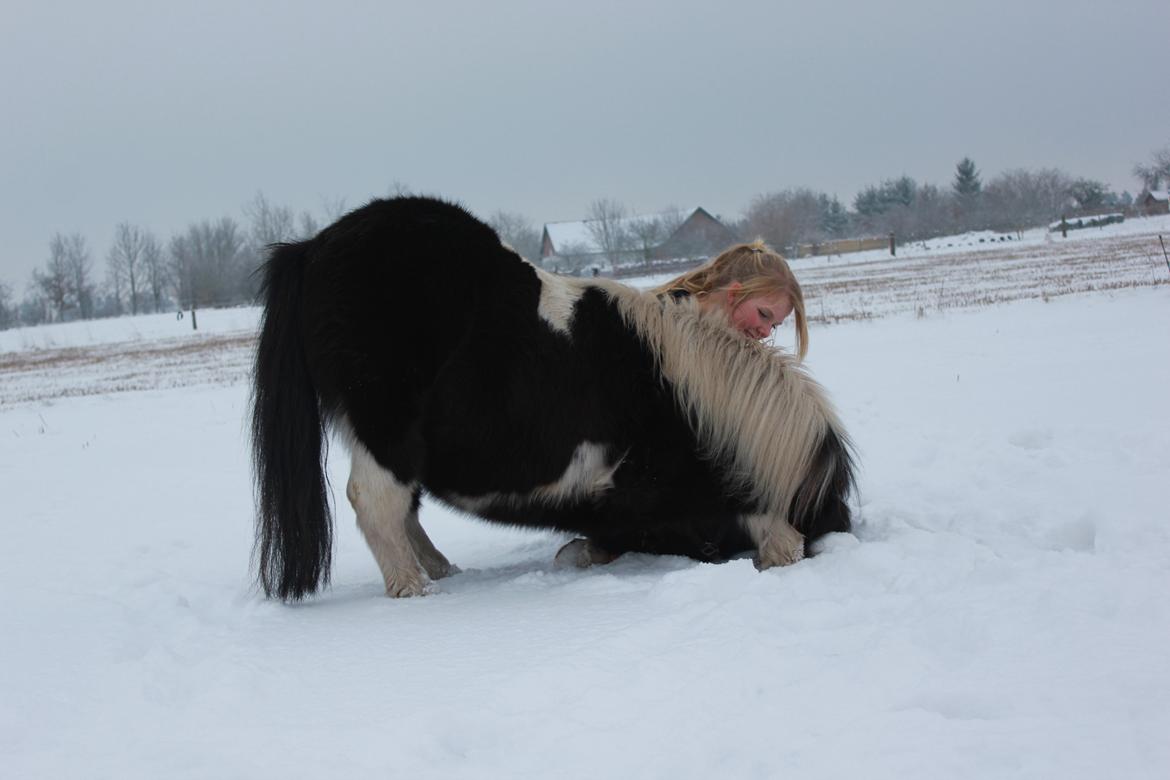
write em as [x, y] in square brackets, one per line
[453, 368]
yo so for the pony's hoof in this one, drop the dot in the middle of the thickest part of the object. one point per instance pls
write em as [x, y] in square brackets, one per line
[404, 587]
[778, 557]
[580, 554]
[439, 570]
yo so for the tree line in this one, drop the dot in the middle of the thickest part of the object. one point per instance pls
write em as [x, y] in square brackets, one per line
[210, 263]
[213, 262]
[1009, 202]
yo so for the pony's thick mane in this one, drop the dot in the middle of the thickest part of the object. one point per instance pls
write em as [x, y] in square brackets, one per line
[754, 408]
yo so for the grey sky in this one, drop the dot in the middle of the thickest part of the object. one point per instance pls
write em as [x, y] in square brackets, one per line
[161, 114]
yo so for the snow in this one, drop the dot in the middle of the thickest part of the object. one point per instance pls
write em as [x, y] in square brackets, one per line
[143, 328]
[999, 612]
[988, 241]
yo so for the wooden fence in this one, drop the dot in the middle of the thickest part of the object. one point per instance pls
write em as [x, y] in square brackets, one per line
[844, 246]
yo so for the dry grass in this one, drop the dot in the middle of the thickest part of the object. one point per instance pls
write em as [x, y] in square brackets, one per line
[864, 290]
[41, 375]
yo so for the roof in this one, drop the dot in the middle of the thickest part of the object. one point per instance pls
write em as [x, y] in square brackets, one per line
[1160, 194]
[578, 235]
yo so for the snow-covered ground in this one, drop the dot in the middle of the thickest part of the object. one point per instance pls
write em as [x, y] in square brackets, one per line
[990, 241]
[1000, 611]
[142, 328]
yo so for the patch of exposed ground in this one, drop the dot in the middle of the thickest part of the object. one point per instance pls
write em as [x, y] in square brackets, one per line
[40, 375]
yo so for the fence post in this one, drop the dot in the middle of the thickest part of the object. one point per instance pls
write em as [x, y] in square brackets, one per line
[1063, 227]
[893, 248]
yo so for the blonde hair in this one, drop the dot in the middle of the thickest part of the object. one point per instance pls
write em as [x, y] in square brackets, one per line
[758, 268]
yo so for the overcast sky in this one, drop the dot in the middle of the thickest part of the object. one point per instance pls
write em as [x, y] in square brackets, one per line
[162, 114]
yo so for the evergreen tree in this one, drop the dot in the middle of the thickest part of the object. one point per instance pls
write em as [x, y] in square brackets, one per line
[1157, 172]
[899, 192]
[834, 219]
[967, 183]
[869, 202]
[8, 312]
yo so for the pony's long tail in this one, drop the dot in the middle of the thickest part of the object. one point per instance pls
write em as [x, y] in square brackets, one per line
[294, 536]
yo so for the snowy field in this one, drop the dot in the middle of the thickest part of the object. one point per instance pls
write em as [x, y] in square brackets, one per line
[1000, 612]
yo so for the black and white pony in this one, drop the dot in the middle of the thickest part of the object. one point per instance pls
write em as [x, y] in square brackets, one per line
[452, 367]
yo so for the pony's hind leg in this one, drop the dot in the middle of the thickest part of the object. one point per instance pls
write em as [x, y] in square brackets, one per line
[435, 563]
[384, 508]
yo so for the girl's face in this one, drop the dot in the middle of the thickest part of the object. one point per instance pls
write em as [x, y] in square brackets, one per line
[756, 316]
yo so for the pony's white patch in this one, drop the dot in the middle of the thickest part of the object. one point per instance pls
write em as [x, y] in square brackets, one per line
[558, 296]
[342, 429]
[588, 474]
[384, 515]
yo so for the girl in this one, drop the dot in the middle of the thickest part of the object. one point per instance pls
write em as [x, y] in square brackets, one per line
[752, 286]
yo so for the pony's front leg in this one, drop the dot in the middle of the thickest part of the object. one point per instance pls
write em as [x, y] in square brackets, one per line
[384, 508]
[777, 542]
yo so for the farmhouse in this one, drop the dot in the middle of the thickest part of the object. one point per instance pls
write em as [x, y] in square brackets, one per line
[601, 243]
[1153, 202]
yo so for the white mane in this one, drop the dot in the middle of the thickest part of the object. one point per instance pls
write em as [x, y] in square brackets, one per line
[754, 408]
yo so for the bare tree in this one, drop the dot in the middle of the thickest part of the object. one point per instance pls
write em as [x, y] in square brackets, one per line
[672, 219]
[517, 232]
[647, 233]
[932, 212]
[53, 283]
[52, 287]
[606, 228]
[1022, 198]
[309, 226]
[207, 264]
[35, 309]
[333, 208]
[573, 256]
[1156, 171]
[116, 284]
[155, 269]
[785, 219]
[126, 263]
[79, 267]
[269, 223]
